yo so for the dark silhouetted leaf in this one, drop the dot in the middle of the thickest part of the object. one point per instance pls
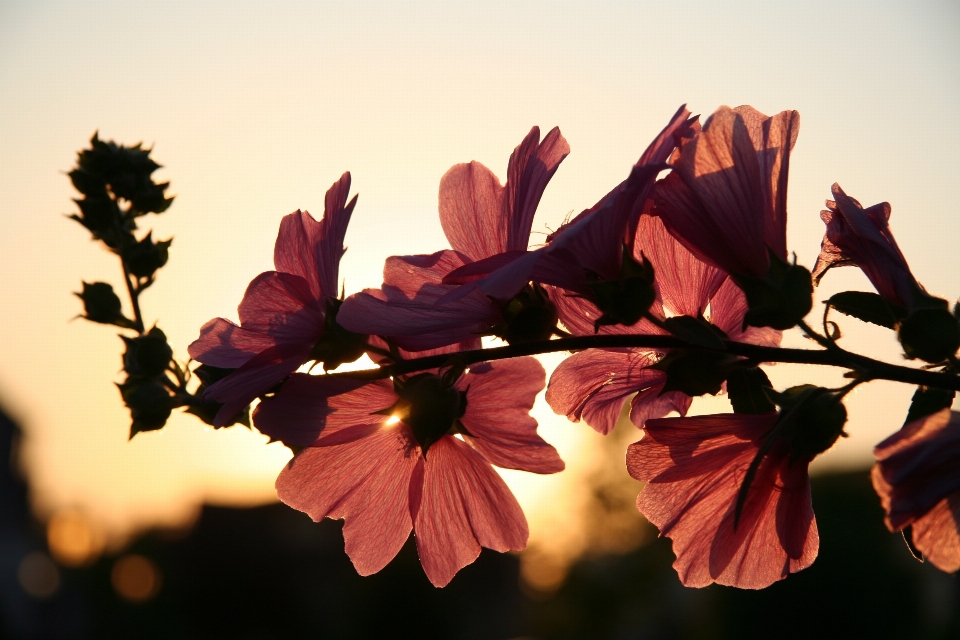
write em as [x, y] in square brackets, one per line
[868, 307]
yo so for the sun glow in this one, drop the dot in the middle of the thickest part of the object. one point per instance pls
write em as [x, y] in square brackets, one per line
[391, 421]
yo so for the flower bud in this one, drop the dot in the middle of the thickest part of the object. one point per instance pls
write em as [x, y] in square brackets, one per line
[149, 402]
[812, 417]
[147, 355]
[146, 256]
[930, 333]
[337, 345]
[782, 299]
[530, 316]
[101, 304]
[624, 301]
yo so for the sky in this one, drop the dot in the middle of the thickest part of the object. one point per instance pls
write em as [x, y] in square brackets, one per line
[256, 108]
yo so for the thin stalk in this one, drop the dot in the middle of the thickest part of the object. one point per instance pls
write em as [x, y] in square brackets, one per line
[134, 297]
[834, 357]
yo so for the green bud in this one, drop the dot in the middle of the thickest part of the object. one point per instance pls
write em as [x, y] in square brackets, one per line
[102, 305]
[625, 300]
[149, 402]
[87, 183]
[146, 256]
[337, 345]
[529, 317]
[813, 418]
[99, 214]
[782, 299]
[148, 355]
[931, 334]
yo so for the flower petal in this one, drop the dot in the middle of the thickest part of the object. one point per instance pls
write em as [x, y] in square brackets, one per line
[936, 534]
[594, 384]
[531, 166]
[917, 467]
[418, 323]
[311, 249]
[480, 217]
[365, 482]
[323, 410]
[225, 344]
[256, 377]
[408, 273]
[726, 199]
[470, 210]
[499, 398]
[862, 237]
[684, 282]
[282, 306]
[464, 505]
[773, 139]
[653, 403]
[694, 468]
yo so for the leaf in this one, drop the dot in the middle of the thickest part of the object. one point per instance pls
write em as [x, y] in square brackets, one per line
[694, 331]
[868, 307]
[927, 401]
[745, 388]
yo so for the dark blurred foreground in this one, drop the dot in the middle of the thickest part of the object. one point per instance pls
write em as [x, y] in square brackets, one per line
[270, 572]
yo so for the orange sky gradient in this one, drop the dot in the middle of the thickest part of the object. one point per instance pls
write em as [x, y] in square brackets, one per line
[254, 109]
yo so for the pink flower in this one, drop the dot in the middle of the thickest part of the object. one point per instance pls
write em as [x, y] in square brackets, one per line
[862, 237]
[387, 475]
[591, 245]
[917, 476]
[726, 199]
[283, 312]
[480, 218]
[593, 384]
[694, 468]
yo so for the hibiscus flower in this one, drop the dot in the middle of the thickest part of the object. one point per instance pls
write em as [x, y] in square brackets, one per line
[726, 198]
[413, 454]
[694, 469]
[917, 476]
[590, 247]
[480, 218]
[284, 314]
[862, 237]
[593, 384]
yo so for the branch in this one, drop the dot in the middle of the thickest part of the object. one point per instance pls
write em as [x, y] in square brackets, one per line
[835, 357]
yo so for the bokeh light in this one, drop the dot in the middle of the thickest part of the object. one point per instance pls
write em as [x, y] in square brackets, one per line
[74, 539]
[135, 578]
[38, 575]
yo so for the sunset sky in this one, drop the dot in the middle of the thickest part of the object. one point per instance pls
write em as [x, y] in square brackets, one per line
[255, 108]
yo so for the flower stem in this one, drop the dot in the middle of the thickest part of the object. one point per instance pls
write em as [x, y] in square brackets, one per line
[134, 297]
[867, 368]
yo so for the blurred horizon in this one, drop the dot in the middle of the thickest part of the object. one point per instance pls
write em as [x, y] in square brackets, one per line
[255, 108]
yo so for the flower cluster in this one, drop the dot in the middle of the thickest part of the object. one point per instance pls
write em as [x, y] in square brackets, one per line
[676, 283]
